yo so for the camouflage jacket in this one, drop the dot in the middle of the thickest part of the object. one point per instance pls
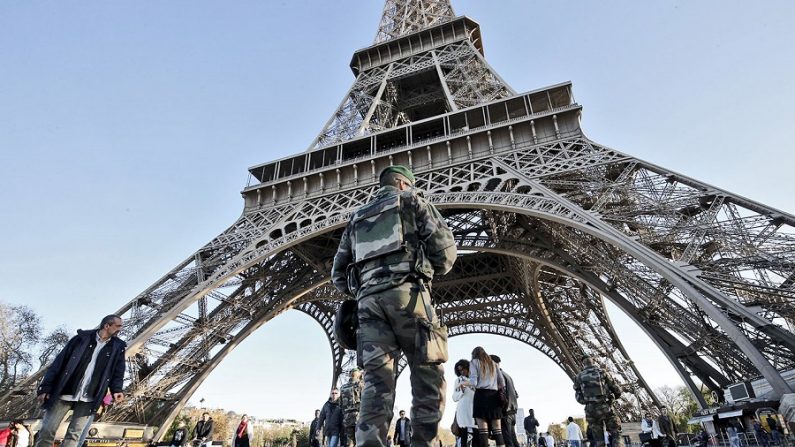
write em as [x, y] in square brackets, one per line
[592, 385]
[351, 396]
[397, 236]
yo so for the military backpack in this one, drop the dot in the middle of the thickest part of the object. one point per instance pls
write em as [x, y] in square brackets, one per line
[592, 385]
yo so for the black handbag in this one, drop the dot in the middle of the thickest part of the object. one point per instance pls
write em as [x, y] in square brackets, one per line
[503, 398]
[455, 429]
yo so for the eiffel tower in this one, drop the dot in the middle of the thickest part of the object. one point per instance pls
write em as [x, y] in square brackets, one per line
[549, 225]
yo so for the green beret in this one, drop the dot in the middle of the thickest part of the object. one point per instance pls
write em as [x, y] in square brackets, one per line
[398, 169]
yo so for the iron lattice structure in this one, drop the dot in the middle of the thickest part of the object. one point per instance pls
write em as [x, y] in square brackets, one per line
[549, 224]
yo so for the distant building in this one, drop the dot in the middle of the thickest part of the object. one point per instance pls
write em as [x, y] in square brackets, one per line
[520, 422]
[279, 423]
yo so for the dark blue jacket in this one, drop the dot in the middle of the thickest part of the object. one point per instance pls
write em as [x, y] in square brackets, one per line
[331, 418]
[108, 371]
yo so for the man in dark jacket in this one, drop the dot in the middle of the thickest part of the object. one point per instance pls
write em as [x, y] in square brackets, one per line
[531, 427]
[667, 428]
[508, 421]
[402, 435]
[314, 435]
[78, 379]
[331, 417]
[203, 432]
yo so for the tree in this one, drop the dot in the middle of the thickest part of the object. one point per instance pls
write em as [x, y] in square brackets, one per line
[446, 436]
[302, 436]
[277, 436]
[20, 331]
[52, 344]
[680, 404]
[183, 417]
[557, 432]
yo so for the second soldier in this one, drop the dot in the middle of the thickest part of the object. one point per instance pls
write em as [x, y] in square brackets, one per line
[350, 398]
[597, 391]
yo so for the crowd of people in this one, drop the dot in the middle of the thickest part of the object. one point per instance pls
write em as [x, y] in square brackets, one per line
[334, 424]
[17, 434]
[658, 430]
[202, 434]
[486, 401]
[486, 407]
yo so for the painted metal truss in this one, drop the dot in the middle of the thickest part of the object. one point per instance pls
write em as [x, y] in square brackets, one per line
[544, 263]
[451, 77]
[401, 17]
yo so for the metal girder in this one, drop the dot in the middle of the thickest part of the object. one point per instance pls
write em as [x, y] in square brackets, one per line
[323, 312]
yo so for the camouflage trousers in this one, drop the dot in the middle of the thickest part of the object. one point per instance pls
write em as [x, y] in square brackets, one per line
[350, 435]
[388, 325]
[602, 417]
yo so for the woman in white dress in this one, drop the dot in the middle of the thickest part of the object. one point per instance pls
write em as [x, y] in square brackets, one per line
[22, 433]
[464, 394]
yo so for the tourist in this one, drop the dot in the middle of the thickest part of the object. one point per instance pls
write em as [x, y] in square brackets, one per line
[330, 422]
[772, 424]
[464, 394]
[531, 427]
[21, 433]
[733, 432]
[485, 375]
[314, 431]
[550, 440]
[649, 431]
[402, 435]
[542, 440]
[243, 434]
[667, 428]
[510, 408]
[759, 432]
[90, 363]
[701, 439]
[180, 436]
[5, 434]
[574, 433]
[12, 437]
[203, 431]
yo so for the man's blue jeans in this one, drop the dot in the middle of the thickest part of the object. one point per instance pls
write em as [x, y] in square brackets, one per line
[81, 416]
[574, 442]
[333, 441]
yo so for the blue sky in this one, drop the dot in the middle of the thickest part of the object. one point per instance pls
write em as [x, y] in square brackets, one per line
[126, 129]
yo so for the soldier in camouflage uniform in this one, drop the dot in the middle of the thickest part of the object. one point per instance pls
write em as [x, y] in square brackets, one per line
[391, 248]
[597, 391]
[350, 397]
